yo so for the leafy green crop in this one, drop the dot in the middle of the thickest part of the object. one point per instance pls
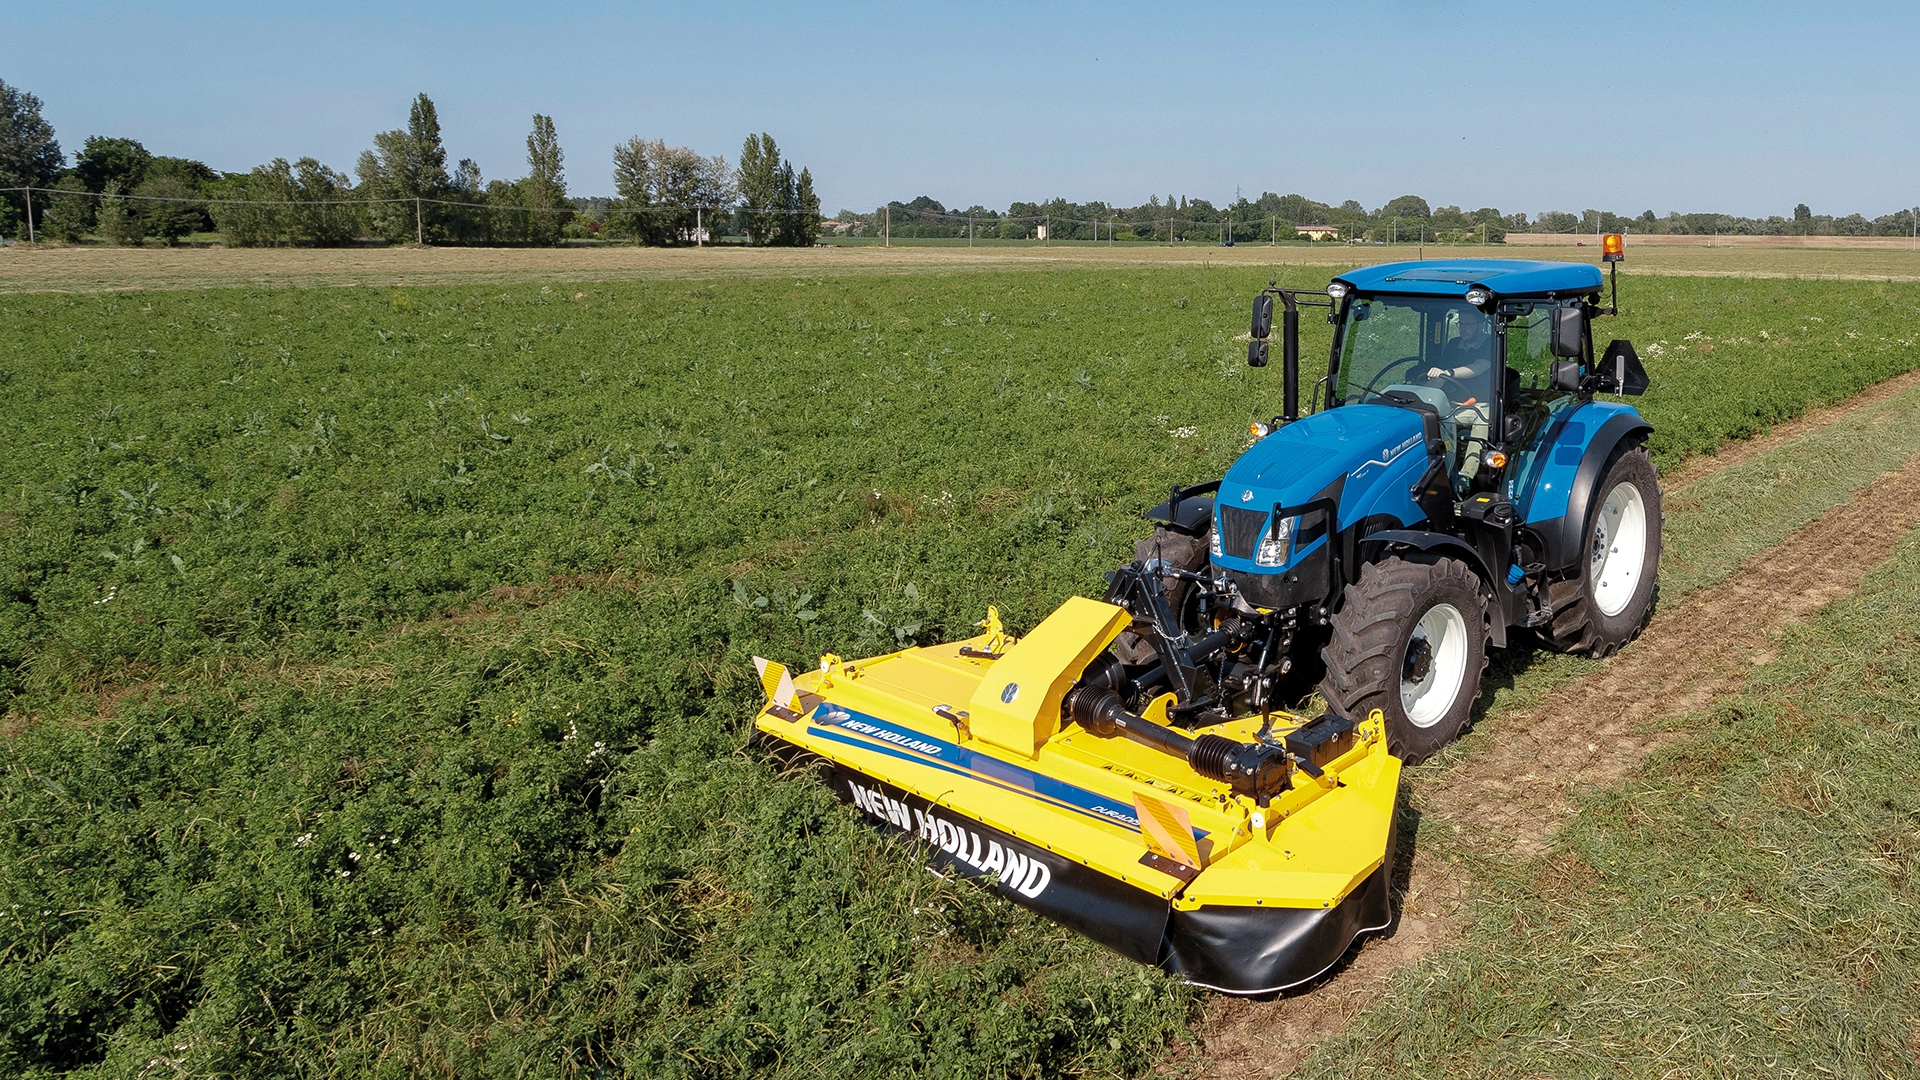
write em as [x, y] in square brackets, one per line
[376, 661]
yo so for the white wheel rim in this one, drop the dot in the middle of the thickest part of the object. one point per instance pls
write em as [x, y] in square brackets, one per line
[1619, 549]
[1428, 696]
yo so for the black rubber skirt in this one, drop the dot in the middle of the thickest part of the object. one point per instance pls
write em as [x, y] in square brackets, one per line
[1232, 949]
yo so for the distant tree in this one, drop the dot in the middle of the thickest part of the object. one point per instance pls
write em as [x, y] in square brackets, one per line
[119, 223]
[69, 217]
[804, 212]
[406, 165]
[103, 161]
[195, 177]
[319, 209]
[1802, 219]
[1556, 221]
[1406, 206]
[759, 187]
[470, 224]
[29, 154]
[785, 222]
[661, 186]
[545, 188]
[169, 209]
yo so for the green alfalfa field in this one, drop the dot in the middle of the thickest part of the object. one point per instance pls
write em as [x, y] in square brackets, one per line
[376, 662]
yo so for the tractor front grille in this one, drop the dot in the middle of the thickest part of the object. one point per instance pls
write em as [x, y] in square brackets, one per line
[1240, 530]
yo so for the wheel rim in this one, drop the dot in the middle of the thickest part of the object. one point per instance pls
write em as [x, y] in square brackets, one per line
[1435, 665]
[1619, 549]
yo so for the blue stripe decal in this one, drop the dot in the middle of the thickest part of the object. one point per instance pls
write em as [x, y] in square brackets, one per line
[873, 734]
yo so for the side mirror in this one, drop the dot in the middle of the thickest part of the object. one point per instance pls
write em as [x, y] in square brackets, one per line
[1566, 376]
[1256, 353]
[1567, 326]
[1262, 317]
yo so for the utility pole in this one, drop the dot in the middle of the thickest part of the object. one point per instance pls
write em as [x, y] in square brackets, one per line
[29, 215]
[886, 227]
[419, 231]
[698, 228]
[1046, 230]
[969, 229]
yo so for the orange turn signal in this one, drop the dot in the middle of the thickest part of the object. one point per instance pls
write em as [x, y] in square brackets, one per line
[1496, 459]
[1613, 248]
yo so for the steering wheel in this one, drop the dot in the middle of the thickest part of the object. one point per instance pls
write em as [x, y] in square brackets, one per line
[1369, 391]
[1456, 391]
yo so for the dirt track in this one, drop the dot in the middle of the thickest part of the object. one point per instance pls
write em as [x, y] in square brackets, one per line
[1522, 784]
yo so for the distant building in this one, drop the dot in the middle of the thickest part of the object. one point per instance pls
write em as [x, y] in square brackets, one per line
[841, 228]
[1318, 232]
[1039, 232]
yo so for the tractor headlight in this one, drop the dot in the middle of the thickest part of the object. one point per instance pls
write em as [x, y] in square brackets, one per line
[1276, 544]
[1213, 541]
[1337, 291]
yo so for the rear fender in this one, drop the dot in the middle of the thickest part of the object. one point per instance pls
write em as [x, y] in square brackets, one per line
[1377, 545]
[1565, 535]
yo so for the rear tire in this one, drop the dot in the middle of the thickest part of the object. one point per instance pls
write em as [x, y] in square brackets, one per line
[1608, 602]
[1181, 552]
[1410, 639]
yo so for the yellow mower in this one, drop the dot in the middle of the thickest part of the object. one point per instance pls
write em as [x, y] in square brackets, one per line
[1245, 859]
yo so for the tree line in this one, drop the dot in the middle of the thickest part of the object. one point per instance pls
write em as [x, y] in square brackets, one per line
[1408, 218]
[402, 189]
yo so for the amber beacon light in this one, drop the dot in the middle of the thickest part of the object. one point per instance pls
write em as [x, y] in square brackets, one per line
[1613, 248]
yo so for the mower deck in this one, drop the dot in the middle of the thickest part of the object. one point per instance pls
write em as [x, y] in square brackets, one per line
[1213, 887]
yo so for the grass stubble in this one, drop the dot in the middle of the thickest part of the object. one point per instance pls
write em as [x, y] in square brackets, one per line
[375, 660]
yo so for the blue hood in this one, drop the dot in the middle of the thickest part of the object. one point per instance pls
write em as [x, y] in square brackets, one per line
[1368, 450]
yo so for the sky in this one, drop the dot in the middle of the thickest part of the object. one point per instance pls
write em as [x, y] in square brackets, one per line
[1741, 108]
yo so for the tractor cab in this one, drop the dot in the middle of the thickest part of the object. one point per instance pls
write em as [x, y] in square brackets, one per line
[1472, 340]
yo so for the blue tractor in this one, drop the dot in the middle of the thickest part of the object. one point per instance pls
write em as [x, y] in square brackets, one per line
[1457, 487]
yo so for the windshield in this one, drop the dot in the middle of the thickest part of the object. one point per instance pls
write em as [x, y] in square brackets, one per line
[1412, 342]
[1438, 349]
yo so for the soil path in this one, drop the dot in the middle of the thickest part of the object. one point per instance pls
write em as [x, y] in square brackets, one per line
[1522, 784]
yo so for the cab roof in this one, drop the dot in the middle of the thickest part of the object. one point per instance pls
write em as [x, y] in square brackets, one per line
[1453, 277]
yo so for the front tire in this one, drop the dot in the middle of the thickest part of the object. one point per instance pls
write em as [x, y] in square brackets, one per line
[1609, 600]
[1410, 639]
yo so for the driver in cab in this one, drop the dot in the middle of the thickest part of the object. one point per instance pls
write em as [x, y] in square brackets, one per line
[1465, 361]
[1464, 374]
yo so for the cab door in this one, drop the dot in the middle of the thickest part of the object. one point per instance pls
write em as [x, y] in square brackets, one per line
[1530, 397]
